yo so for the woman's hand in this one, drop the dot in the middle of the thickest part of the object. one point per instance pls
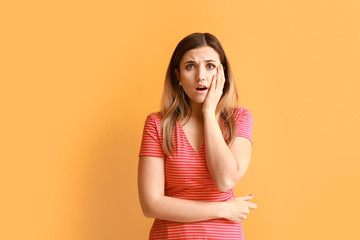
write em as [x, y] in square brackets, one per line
[237, 209]
[215, 91]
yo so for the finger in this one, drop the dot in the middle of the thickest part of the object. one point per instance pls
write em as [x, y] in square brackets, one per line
[213, 82]
[252, 205]
[245, 197]
[222, 78]
[247, 211]
[217, 76]
[219, 80]
[223, 74]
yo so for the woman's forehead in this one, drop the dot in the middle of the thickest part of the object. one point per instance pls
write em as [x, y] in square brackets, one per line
[201, 53]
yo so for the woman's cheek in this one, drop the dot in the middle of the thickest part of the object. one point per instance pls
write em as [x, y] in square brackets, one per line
[188, 74]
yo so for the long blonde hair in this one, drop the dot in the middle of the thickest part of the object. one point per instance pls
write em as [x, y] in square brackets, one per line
[175, 104]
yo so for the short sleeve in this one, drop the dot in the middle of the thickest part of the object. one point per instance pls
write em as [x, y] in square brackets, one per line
[244, 123]
[151, 143]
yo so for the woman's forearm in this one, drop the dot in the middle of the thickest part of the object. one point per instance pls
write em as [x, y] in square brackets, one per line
[155, 204]
[182, 210]
[221, 162]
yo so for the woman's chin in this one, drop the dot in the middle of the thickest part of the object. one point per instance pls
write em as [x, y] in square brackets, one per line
[197, 101]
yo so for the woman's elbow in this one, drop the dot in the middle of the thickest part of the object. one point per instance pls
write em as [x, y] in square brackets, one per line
[149, 206]
[224, 186]
[227, 184]
[147, 211]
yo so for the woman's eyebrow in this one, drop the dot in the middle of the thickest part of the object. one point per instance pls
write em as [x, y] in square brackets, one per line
[192, 61]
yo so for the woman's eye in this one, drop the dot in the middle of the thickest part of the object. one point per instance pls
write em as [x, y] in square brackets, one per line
[190, 66]
[210, 66]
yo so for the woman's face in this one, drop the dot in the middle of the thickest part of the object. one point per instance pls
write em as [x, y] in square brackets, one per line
[197, 67]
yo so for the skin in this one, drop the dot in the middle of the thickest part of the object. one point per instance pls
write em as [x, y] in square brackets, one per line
[226, 164]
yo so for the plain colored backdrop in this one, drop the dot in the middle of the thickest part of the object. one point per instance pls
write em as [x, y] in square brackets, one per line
[78, 79]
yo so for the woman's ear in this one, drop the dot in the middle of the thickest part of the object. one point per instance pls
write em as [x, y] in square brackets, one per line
[177, 74]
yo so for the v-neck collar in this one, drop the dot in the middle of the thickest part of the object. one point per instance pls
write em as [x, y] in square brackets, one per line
[187, 140]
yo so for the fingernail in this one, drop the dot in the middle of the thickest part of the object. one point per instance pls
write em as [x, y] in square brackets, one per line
[251, 195]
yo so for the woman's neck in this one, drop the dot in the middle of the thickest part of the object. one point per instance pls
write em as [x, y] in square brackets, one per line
[196, 111]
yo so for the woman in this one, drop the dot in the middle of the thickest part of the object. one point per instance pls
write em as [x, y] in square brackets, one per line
[196, 148]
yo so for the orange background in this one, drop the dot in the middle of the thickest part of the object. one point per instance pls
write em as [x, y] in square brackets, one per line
[78, 79]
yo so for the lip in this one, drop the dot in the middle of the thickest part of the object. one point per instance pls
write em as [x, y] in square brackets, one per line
[201, 85]
[201, 91]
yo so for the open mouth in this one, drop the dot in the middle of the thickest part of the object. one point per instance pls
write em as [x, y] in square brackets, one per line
[201, 89]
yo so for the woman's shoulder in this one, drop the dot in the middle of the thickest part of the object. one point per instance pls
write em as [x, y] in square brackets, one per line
[241, 111]
[154, 118]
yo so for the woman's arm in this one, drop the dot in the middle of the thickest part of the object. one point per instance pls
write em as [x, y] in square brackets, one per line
[226, 164]
[155, 204]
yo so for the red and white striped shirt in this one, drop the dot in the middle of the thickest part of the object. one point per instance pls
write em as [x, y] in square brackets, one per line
[187, 177]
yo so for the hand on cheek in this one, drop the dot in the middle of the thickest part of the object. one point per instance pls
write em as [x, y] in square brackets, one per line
[215, 91]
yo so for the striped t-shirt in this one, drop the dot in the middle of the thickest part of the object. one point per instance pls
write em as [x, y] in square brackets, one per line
[187, 177]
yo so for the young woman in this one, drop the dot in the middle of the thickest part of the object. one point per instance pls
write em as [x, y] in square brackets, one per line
[196, 148]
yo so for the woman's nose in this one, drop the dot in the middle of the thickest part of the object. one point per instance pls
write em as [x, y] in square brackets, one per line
[201, 74]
